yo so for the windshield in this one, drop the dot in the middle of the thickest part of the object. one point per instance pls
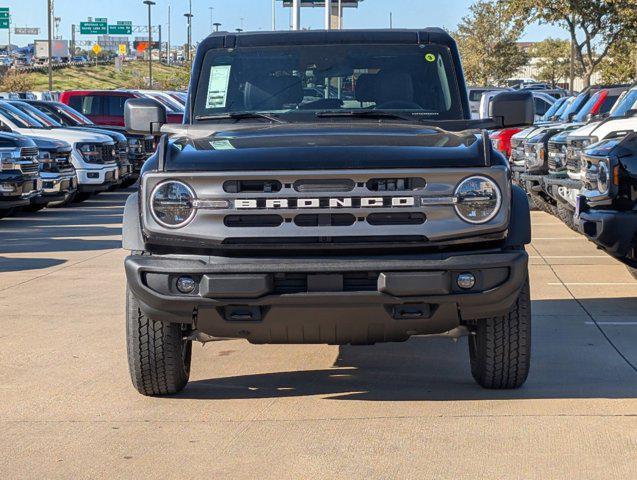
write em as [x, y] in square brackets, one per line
[20, 119]
[574, 107]
[629, 102]
[64, 110]
[37, 114]
[588, 107]
[553, 109]
[291, 79]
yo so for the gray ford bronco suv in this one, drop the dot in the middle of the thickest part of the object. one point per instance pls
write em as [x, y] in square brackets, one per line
[327, 187]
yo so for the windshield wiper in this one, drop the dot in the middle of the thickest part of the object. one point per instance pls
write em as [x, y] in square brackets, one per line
[240, 116]
[367, 114]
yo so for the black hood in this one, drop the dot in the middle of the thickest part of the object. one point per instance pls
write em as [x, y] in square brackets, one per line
[325, 146]
[12, 140]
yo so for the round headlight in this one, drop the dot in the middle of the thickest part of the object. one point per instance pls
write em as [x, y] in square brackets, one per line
[171, 204]
[603, 177]
[478, 200]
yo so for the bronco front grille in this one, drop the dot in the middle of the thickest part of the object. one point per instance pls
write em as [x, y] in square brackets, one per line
[290, 283]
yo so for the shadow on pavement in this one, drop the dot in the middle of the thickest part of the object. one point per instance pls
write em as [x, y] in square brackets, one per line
[67, 229]
[571, 359]
[20, 264]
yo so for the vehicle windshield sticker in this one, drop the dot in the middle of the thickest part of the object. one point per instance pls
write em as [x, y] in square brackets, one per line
[430, 57]
[218, 86]
[222, 145]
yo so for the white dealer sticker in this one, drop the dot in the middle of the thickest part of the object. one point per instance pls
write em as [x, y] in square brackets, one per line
[218, 86]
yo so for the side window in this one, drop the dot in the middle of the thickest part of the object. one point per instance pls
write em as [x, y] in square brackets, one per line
[88, 105]
[75, 102]
[115, 105]
[541, 107]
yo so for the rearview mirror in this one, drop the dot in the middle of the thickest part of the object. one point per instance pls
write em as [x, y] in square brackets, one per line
[513, 109]
[144, 116]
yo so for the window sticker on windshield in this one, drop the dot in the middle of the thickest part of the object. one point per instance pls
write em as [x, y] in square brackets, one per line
[218, 86]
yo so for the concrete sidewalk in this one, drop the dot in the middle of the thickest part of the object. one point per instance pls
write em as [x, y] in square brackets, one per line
[68, 410]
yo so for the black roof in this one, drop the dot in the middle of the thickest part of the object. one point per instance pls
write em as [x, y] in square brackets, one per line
[322, 37]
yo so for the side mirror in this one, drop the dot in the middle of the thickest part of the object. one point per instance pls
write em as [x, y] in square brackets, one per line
[513, 109]
[143, 116]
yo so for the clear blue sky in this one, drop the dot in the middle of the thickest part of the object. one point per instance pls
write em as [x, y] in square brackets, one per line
[255, 13]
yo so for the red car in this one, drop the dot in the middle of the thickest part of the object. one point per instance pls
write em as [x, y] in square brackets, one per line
[106, 107]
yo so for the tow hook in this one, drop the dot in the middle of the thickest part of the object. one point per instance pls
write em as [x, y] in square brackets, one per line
[203, 338]
[454, 334]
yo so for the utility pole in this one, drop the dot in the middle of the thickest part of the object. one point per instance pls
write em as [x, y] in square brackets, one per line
[391, 20]
[168, 59]
[328, 14]
[161, 48]
[50, 41]
[340, 14]
[296, 14]
[150, 3]
[10, 48]
[212, 24]
[241, 20]
[273, 15]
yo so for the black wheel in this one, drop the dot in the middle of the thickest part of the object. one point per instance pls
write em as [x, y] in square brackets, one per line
[158, 355]
[542, 205]
[6, 212]
[81, 197]
[34, 208]
[64, 203]
[567, 216]
[500, 349]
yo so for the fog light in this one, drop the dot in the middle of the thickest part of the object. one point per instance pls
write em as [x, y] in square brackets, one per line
[186, 285]
[466, 281]
[93, 175]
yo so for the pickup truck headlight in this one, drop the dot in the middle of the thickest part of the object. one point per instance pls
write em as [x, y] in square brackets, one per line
[172, 204]
[478, 200]
[91, 152]
[9, 158]
[603, 177]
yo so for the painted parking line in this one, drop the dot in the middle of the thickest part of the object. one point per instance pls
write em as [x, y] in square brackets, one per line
[612, 323]
[559, 238]
[568, 256]
[592, 284]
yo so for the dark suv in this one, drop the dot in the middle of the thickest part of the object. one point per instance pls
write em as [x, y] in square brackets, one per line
[20, 181]
[355, 218]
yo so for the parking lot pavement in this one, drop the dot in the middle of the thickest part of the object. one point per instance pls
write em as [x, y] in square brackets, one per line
[409, 410]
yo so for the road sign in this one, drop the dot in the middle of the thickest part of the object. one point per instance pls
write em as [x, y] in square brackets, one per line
[26, 31]
[4, 23]
[120, 29]
[93, 28]
[4, 12]
[96, 49]
[101, 20]
[122, 49]
[124, 22]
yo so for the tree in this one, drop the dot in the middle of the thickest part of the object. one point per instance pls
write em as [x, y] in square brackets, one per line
[487, 40]
[594, 25]
[554, 58]
[620, 65]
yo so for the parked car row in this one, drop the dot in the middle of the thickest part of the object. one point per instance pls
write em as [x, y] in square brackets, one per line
[51, 155]
[579, 163]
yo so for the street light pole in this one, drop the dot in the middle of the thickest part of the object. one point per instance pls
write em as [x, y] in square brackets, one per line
[168, 59]
[328, 14]
[50, 41]
[273, 15]
[189, 17]
[150, 3]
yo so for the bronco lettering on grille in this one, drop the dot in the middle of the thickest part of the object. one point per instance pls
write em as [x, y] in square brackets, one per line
[323, 202]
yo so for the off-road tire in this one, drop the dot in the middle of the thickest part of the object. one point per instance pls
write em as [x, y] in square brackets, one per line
[500, 348]
[542, 205]
[566, 215]
[158, 355]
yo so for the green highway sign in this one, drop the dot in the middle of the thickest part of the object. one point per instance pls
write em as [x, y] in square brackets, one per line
[93, 28]
[120, 29]
[101, 20]
[4, 23]
[4, 13]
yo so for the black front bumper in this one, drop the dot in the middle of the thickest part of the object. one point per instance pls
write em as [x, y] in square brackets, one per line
[613, 231]
[327, 300]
